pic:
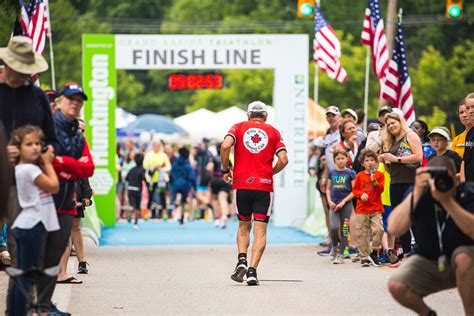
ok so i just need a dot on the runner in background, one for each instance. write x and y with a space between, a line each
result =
204 170
220 191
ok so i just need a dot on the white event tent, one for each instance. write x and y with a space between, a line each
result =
204 123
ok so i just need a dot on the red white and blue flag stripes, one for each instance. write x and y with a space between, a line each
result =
34 22
327 48
373 35
397 87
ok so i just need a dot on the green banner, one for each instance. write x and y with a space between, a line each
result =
100 85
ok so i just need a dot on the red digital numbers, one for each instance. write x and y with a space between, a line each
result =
184 81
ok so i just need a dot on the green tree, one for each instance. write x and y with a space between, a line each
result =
129 89
436 118
241 87
349 94
436 83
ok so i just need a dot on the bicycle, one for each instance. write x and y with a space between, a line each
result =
33 275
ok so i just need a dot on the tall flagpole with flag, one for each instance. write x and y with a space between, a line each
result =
316 69
34 24
373 35
327 49
51 52
397 87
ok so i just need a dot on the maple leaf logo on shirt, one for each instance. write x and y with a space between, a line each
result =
256 139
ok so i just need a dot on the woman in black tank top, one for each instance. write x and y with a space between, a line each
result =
402 155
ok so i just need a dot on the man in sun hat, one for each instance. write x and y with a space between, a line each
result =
22 103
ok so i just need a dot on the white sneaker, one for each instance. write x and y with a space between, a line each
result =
222 224
135 226
338 259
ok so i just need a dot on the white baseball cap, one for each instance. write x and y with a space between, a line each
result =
440 131
351 112
333 110
257 106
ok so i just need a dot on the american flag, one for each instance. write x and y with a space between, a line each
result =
397 88
373 35
35 25
327 49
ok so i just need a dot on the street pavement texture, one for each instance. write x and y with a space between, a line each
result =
195 280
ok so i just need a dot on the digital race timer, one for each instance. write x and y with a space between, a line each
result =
188 81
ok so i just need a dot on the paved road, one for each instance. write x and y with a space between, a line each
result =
195 280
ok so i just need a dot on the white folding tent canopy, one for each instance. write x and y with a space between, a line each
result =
204 123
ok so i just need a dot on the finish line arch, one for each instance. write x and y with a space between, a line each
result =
287 55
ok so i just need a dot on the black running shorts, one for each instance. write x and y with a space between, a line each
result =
256 202
218 185
135 199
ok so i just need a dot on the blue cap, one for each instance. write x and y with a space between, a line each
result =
71 88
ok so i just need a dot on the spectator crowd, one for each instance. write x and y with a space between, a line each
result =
363 174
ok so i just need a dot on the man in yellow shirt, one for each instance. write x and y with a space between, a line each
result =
157 164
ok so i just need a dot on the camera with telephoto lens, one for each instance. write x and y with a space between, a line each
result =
442 180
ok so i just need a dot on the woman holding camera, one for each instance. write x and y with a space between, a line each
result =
439 139
402 155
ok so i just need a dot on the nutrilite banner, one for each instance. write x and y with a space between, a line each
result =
99 82
287 55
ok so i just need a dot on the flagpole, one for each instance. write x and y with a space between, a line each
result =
51 53
316 71
366 90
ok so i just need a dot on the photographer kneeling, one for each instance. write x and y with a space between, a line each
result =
442 212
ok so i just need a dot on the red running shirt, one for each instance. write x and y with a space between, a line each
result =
255 144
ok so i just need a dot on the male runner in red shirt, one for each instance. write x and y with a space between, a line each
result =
255 144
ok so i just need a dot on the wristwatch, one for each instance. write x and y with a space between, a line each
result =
225 171
399 160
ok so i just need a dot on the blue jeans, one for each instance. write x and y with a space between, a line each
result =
29 249
3 237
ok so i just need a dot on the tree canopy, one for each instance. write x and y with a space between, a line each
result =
440 51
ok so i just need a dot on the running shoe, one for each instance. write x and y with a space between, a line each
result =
239 272
365 263
355 258
54 311
346 254
252 277
374 259
390 253
353 251
82 268
384 260
325 252
338 259
222 224
135 226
